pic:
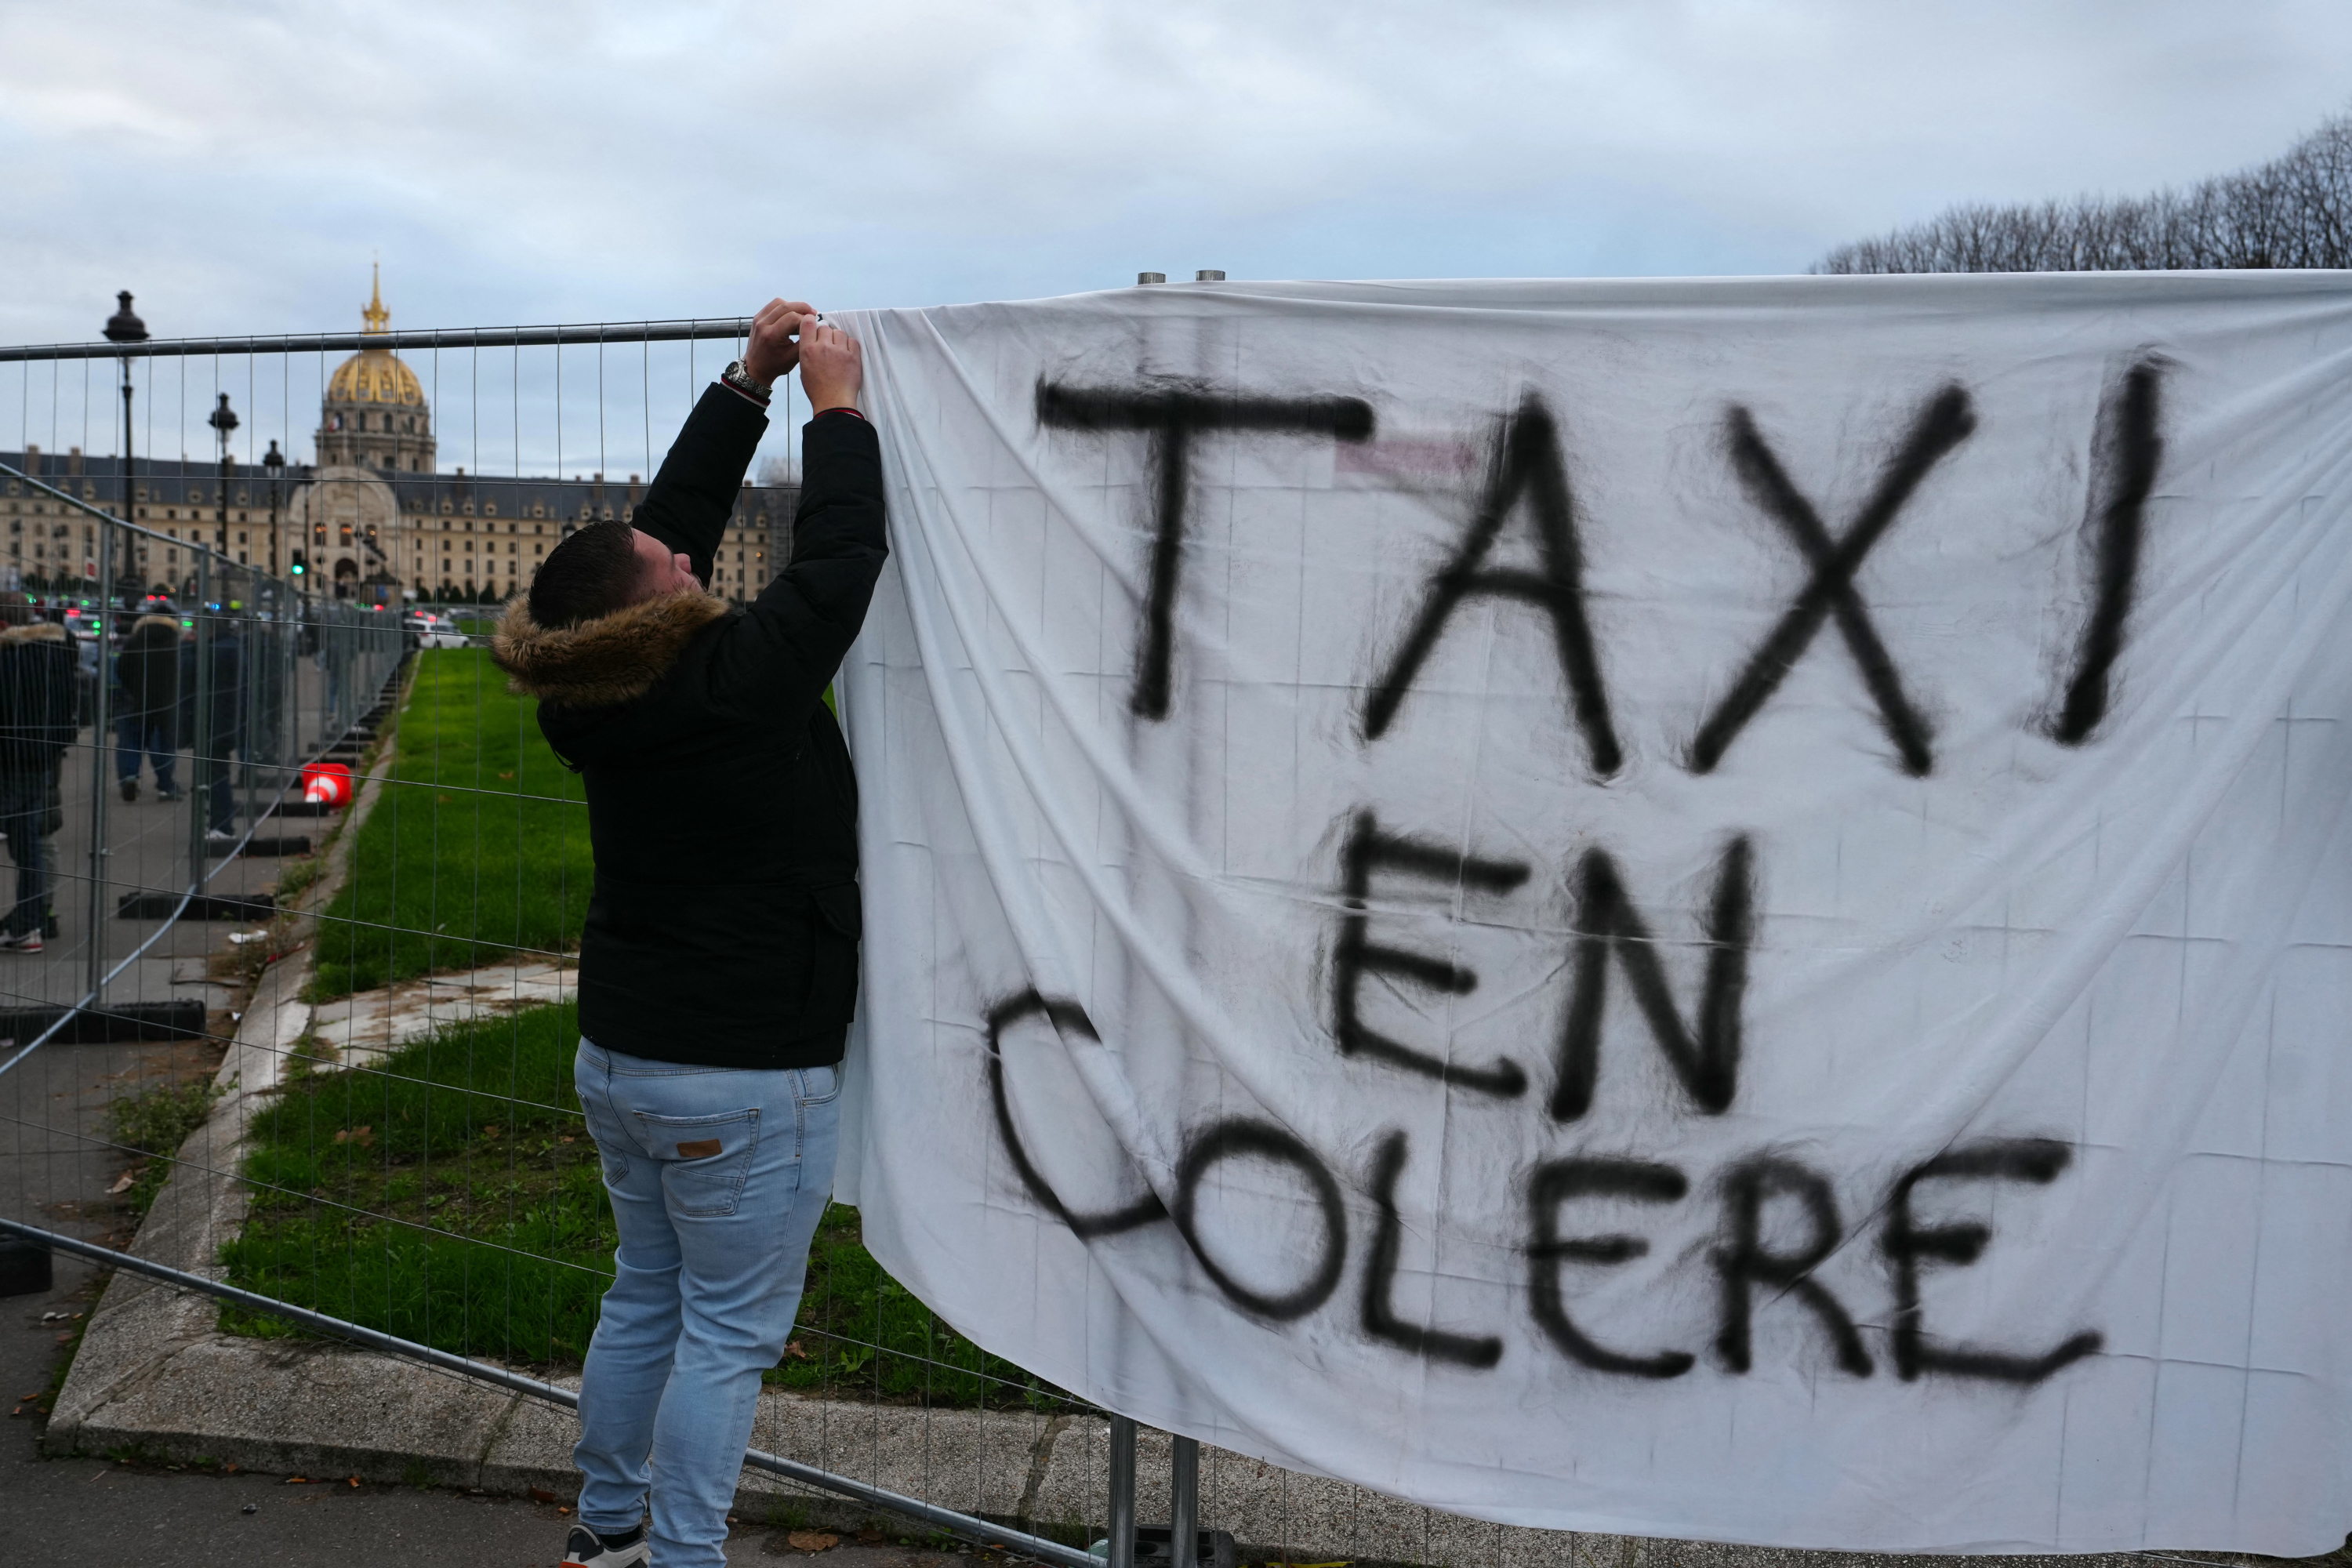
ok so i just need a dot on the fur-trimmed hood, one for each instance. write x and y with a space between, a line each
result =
35 631
151 623
612 659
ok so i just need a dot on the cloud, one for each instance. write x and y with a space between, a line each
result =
239 163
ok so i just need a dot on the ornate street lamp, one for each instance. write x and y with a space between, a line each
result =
273 463
224 420
125 328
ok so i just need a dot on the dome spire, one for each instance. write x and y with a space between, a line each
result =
377 318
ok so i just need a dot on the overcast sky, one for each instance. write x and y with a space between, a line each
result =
238 162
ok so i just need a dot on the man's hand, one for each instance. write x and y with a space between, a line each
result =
832 367
773 352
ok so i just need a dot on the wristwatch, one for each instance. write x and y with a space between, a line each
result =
736 376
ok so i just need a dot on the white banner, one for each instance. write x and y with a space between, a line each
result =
1697 909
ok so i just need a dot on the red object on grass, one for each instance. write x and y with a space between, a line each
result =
328 782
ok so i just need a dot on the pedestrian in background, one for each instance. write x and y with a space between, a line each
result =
37 677
211 712
147 678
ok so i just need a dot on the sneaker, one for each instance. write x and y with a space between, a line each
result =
131 789
586 1549
170 794
219 835
28 943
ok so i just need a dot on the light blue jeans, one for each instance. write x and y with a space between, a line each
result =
719 1176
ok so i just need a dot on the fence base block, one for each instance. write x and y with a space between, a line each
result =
204 907
25 1268
177 1020
259 848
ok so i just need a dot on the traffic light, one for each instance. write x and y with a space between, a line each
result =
298 566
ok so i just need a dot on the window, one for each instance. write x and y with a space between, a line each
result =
489 509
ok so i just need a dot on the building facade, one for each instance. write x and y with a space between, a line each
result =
372 519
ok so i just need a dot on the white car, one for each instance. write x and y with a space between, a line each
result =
434 631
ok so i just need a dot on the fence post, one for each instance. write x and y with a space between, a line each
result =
1183 1502
1122 1491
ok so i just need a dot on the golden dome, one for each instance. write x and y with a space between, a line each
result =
375 375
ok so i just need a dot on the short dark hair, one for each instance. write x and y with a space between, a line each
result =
591 574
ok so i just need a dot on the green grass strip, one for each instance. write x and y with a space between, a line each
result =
479 845
452 1196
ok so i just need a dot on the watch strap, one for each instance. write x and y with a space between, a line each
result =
736 376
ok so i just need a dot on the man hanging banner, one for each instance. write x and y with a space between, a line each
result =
1696 909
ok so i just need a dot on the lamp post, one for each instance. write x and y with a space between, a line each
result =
223 419
273 463
124 326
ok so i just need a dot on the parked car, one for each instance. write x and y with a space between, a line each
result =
429 630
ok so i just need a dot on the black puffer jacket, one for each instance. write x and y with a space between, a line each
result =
722 811
148 670
37 707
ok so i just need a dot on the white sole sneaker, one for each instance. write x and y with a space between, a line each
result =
586 1549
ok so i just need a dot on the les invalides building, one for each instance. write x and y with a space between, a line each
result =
373 519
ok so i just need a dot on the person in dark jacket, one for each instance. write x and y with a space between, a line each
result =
36 724
212 715
719 963
147 682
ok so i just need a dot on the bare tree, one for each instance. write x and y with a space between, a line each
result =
2295 212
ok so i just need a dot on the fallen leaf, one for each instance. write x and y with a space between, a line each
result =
489 1130
813 1541
796 1351
541 1494
508 774
362 1136
66 1338
122 1183
869 1537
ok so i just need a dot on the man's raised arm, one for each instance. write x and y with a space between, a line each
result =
691 498
796 631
